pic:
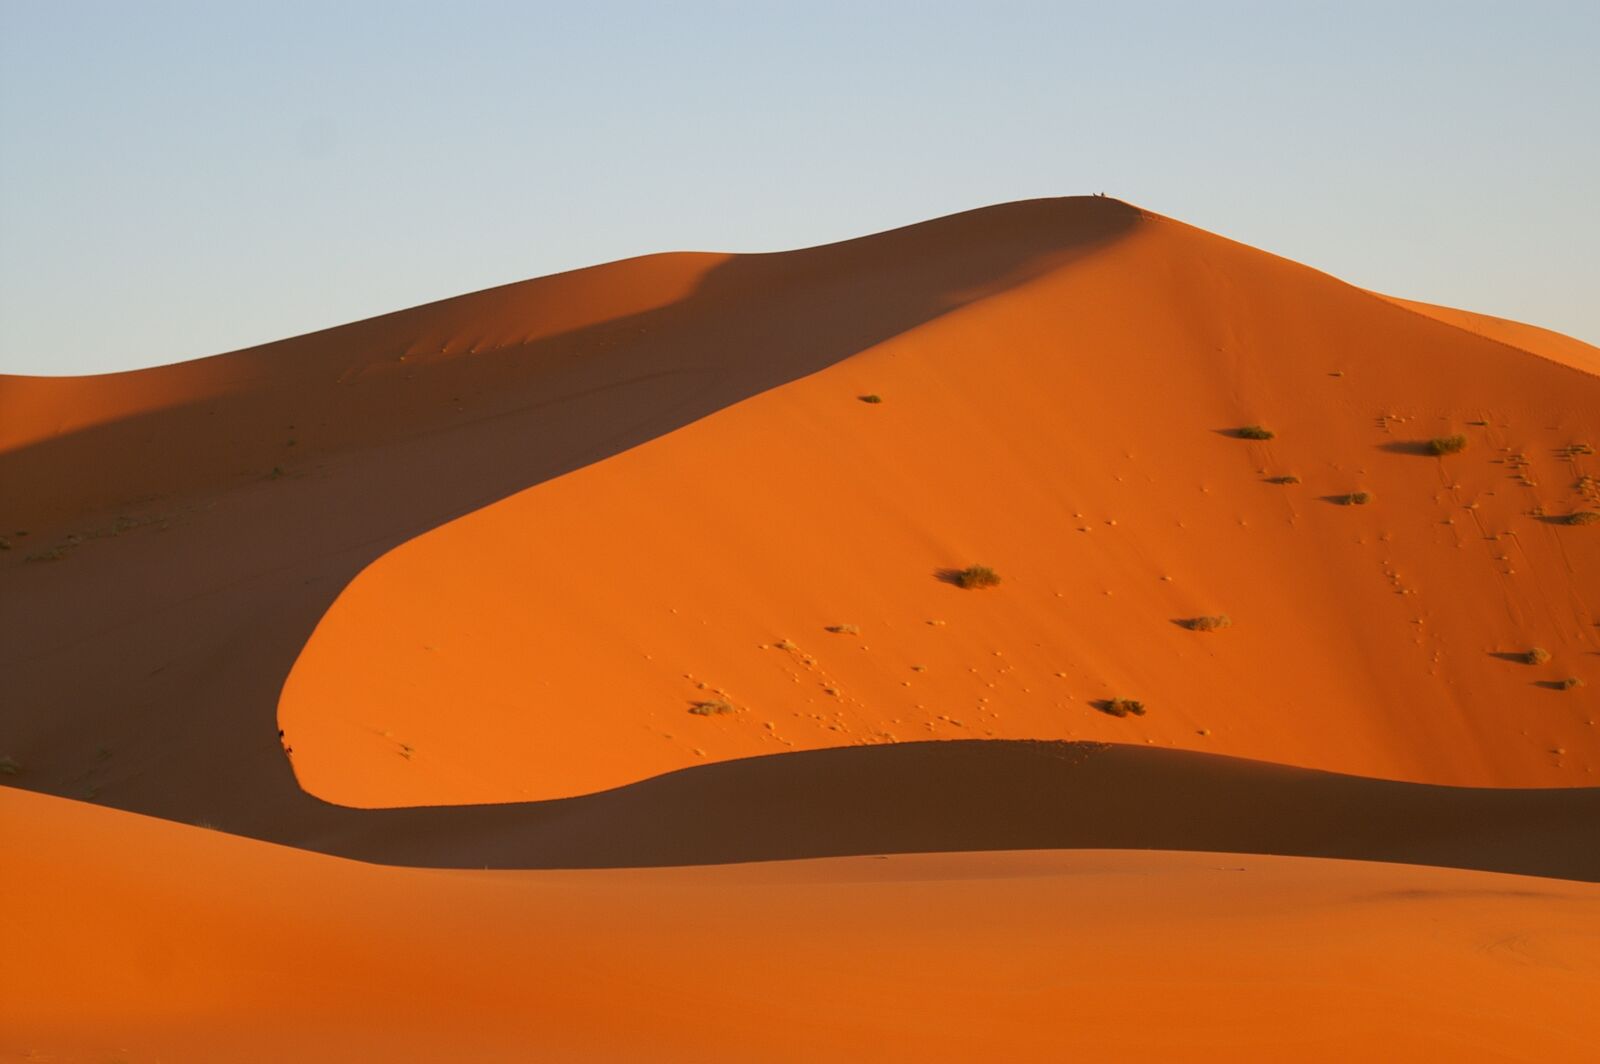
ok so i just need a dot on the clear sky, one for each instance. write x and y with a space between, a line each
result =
180 179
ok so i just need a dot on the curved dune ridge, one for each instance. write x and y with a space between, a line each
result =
780 556
616 581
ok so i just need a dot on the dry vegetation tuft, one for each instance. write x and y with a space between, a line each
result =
974 577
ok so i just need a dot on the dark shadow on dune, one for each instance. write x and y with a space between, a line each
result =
995 795
168 644
1579 519
1415 448
949 576
1516 657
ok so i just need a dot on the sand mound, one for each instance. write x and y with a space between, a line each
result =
139 940
781 557
667 556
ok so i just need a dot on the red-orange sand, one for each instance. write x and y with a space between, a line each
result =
495 549
137 940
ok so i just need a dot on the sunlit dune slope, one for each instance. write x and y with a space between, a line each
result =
1075 432
306 536
1544 342
139 940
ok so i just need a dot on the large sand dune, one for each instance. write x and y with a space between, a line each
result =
441 589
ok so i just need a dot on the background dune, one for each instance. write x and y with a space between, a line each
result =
442 589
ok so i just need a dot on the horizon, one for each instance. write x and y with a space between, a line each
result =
177 182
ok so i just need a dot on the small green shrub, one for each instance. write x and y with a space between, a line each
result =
1254 432
1121 707
974 577
1536 656
1356 498
1208 624
712 708
1442 445
870 398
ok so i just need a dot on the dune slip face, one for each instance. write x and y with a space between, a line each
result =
1047 629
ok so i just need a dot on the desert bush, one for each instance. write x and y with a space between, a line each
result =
975 576
1583 517
870 398
1121 707
1356 498
1535 656
1288 478
843 629
711 708
1208 624
1254 432
1570 682
1442 445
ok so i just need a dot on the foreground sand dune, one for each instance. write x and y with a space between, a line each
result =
153 941
441 589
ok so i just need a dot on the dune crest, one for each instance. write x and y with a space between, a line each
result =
1077 432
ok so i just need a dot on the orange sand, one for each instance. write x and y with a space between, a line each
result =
150 941
1064 431
493 549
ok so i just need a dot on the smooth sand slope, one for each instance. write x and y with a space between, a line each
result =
1071 433
151 941
496 549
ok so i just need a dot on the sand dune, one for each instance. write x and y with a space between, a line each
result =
154 941
1545 343
441 589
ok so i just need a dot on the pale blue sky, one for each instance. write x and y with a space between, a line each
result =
180 179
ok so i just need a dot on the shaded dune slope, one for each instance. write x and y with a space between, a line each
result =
966 796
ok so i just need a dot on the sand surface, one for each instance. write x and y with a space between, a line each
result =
155 941
439 590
